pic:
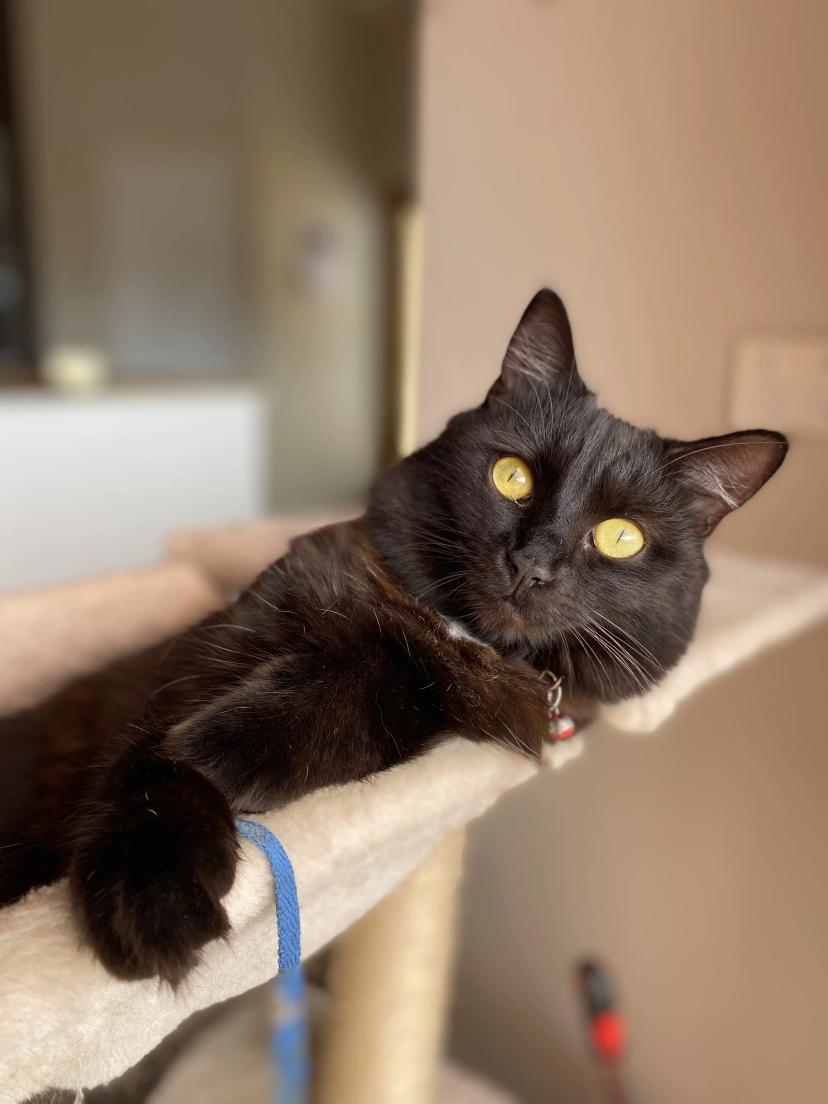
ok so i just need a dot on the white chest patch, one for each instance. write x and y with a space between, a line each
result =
457 632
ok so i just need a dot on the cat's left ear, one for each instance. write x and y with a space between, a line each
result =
722 473
541 350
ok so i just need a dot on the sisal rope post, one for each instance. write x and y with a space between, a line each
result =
390 980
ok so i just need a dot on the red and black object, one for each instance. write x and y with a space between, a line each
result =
604 1021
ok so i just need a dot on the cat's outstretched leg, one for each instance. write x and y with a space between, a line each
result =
158 850
152 862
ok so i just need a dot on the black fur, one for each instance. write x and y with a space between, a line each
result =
338 662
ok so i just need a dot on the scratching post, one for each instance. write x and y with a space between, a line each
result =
389 983
65 1021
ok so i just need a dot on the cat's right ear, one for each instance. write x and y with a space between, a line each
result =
541 351
722 473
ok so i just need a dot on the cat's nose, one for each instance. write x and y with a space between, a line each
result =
527 571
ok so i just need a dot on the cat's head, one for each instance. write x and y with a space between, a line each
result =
555 531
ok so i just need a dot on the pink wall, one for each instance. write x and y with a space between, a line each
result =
665 166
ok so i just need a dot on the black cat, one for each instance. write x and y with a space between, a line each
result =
536 532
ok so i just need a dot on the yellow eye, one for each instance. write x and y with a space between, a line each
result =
512 478
618 538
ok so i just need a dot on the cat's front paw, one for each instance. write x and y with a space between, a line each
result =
147 882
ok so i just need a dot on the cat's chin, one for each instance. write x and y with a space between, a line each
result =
525 633
508 628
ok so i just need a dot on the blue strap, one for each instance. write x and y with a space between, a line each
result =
288 1037
288 927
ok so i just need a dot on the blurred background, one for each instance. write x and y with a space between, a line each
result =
249 251
200 204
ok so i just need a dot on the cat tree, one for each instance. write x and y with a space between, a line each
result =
377 863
